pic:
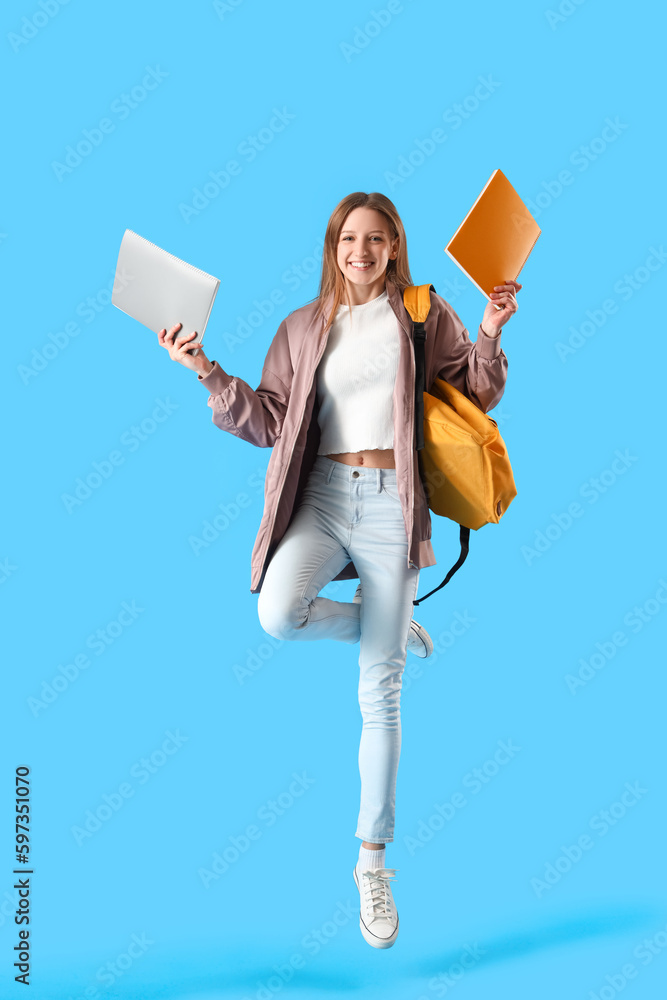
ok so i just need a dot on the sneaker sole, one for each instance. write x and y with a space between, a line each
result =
372 939
427 643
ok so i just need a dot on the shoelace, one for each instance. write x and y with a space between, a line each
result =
377 890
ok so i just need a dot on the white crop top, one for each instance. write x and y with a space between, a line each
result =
356 377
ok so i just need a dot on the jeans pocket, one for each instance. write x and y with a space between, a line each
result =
314 484
392 491
316 477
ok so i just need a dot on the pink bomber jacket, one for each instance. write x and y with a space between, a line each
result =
281 413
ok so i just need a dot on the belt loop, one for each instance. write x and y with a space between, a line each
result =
330 472
379 480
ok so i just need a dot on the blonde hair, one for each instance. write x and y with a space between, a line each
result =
331 279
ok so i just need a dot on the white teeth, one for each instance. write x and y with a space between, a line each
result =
359 265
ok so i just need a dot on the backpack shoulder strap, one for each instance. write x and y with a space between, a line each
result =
417 301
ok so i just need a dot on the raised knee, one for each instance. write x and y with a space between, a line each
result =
277 618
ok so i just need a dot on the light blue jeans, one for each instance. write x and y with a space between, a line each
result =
352 513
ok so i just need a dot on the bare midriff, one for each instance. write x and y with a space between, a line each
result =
375 458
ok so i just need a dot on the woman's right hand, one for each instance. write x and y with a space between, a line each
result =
178 350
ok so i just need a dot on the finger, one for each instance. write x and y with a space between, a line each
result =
172 330
186 343
185 339
508 306
163 339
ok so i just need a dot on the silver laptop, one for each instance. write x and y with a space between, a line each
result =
160 290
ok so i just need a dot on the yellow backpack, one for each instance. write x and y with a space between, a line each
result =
463 460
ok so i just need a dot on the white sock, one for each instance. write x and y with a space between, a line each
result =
370 859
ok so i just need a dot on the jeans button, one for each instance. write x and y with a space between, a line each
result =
355 474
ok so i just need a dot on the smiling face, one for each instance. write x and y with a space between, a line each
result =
364 247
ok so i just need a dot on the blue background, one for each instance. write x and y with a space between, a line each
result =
194 660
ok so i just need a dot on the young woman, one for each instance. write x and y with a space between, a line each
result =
343 494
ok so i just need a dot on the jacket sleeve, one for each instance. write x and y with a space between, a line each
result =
477 369
254 415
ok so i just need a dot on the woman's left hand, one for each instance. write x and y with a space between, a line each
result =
505 296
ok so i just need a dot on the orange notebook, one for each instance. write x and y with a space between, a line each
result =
496 237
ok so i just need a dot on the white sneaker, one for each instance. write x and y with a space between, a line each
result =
378 917
419 641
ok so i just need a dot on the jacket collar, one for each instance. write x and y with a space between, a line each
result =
396 301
